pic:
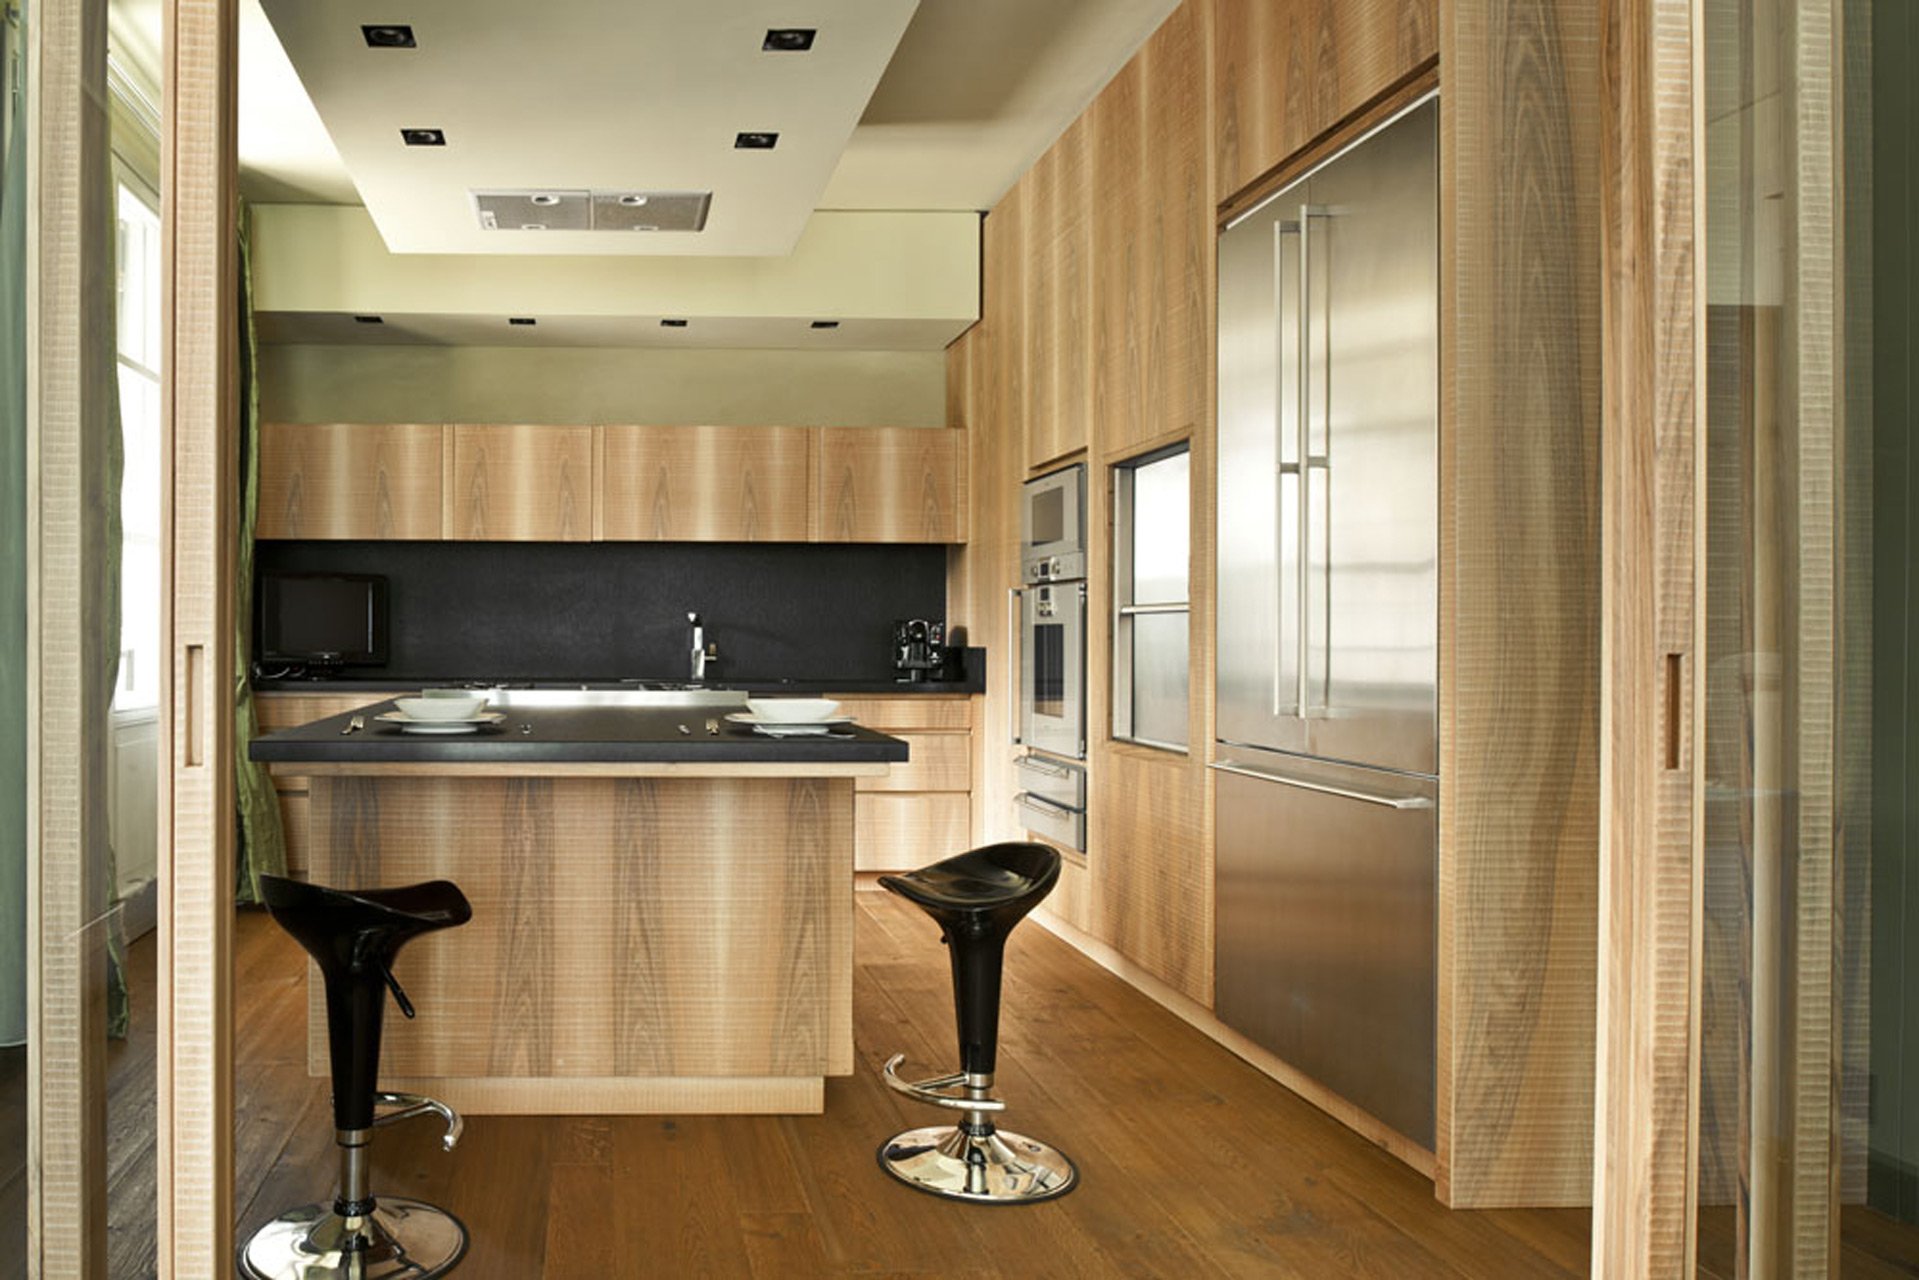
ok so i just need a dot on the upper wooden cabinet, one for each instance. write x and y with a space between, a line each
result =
1057 225
889 484
1286 71
519 484
704 484
349 482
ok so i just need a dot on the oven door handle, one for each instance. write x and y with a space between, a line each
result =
1016 674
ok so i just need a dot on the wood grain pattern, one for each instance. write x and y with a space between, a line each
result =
1519 601
350 481
1057 193
1286 72
633 928
583 769
927 712
1153 866
199 431
277 710
888 484
519 483
1646 1126
901 832
704 484
621 1095
935 762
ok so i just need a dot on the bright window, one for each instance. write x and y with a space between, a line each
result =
138 311
1152 615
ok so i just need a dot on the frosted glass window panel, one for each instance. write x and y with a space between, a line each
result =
1161 530
1152 543
1160 677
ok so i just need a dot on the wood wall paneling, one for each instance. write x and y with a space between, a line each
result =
519 483
900 832
350 481
703 484
200 429
888 484
1057 228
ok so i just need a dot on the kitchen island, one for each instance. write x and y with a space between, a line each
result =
662 920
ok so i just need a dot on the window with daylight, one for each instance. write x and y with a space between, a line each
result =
1152 504
137 304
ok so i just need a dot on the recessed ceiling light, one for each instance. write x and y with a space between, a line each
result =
757 141
521 320
393 35
545 199
423 137
644 226
826 324
369 319
532 226
672 324
788 39
632 202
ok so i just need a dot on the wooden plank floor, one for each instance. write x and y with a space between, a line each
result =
1193 1163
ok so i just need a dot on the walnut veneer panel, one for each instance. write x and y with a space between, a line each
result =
900 832
935 762
342 481
1057 194
926 712
519 483
1286 71
1152 237
704 484
889 484
621 927
1519 602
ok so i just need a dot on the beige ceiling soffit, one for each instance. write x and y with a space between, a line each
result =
600 95
850 267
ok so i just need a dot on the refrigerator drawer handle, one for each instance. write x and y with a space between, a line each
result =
1046 767
1326 788
1041 805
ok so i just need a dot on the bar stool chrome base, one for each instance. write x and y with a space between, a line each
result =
984 1166
400 1240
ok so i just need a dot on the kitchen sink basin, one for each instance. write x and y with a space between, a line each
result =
641 698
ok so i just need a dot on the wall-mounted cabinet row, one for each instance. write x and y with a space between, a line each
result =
507 483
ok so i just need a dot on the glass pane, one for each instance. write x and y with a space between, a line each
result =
1159 677
1161 530
13 639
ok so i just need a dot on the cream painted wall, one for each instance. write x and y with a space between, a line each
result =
567 385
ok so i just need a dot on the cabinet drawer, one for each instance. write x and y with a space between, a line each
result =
935 762
901 832
276 711
888 714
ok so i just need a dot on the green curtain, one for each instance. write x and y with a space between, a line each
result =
13 536
262 843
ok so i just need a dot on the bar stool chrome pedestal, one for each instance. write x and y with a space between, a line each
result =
354 937
977 898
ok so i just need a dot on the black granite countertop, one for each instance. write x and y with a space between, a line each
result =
572 735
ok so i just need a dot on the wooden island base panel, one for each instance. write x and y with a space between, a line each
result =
662 922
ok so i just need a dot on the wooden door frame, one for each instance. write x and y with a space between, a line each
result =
200 398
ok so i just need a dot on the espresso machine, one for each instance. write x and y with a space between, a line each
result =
919 650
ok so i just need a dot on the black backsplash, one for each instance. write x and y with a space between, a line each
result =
617 610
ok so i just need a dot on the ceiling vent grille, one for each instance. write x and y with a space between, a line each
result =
592 210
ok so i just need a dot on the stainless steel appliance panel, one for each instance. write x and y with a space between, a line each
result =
1058 824
1055 780
1053 526
1052 702
1325 924
1328 395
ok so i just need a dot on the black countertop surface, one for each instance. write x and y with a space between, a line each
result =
537 735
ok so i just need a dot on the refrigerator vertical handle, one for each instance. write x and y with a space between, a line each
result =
1015 674
1303 435
1282 469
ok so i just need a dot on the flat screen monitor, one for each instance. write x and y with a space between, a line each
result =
323 619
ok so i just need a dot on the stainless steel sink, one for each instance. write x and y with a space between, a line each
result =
640 699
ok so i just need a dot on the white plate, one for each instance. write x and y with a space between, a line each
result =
406 721
747 717
438 727
796 730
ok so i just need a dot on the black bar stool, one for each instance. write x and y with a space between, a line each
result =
977 898
354 938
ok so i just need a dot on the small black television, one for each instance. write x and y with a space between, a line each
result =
323 619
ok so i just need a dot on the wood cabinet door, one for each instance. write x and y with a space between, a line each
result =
519 484
1056 220
339 481
901 832
889 484
703 484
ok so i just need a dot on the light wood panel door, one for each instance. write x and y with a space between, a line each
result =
703 484
899 832
519 483
1059 298
935 762
350 481
889 484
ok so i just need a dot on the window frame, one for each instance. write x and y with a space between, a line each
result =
1121 479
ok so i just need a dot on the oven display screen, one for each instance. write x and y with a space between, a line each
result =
1049 670
1047 511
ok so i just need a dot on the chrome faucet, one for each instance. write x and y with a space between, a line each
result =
703 652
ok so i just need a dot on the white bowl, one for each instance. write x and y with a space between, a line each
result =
441 708
792 710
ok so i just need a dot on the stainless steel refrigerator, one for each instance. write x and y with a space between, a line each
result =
1328 622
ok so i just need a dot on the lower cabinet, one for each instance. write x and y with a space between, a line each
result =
276 711
923 810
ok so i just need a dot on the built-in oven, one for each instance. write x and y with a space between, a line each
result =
1053 527
1052 667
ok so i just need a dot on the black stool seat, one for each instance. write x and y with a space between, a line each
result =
999 878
